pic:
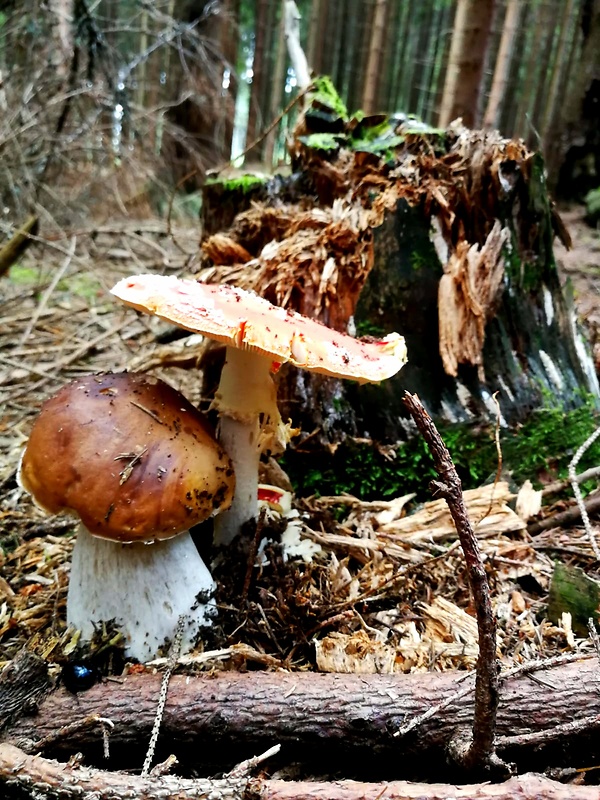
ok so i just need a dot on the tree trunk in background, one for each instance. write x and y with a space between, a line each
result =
472 26
315 31
374 60
278 82
361 33
424 98
386 75
543 70
441 61
255 122
510 103
330 38
555 141
503 60
366 13
560 65
578 134
351 36
319 53
268 69
142 72
427 34
398 43
538 39
407 68
229 47
339 53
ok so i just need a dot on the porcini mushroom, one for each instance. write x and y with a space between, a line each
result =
138 464
259 336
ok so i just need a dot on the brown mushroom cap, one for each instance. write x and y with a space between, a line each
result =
130 455
244 320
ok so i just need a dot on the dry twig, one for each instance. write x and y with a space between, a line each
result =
577 491
479 753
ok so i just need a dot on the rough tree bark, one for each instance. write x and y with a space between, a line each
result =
339 724
472 26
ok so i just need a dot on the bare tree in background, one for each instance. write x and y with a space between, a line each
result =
109 100
138 94
201 105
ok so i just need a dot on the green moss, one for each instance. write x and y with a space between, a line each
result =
323 141
418 260
545 443
325 94
367 328
84 285
24 276
592 205
244 183
384 147
423 130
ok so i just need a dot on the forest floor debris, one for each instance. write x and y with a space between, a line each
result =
388 588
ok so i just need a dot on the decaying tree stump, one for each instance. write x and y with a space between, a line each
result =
331 724
445 237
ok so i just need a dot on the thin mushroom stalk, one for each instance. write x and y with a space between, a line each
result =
249 424
259 337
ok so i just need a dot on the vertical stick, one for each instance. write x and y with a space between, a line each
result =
478 753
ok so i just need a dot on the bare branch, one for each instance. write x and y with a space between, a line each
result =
478 753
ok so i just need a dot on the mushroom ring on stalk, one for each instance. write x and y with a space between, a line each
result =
139 465
259 338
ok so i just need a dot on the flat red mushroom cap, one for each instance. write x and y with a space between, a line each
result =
243 319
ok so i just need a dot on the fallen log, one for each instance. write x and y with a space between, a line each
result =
44 779
343 725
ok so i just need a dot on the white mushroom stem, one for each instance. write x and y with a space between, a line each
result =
240 440
144 588
249 423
